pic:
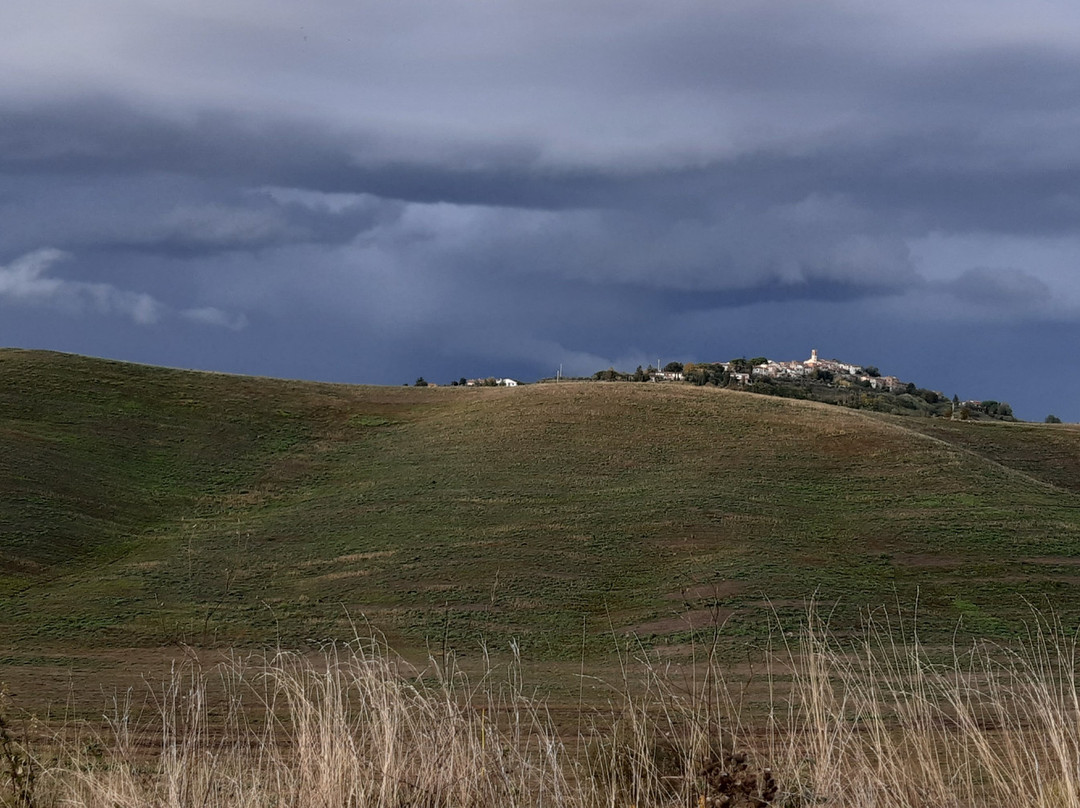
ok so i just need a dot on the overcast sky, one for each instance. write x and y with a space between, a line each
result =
374 191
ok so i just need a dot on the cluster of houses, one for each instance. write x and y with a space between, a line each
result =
797 370
491 382
808 367
664 376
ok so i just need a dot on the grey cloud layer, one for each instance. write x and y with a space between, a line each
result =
585 175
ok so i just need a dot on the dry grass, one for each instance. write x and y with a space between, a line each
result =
873 722
879 724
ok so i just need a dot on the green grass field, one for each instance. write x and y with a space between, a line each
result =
142 507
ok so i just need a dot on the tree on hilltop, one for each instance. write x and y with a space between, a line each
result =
705 373
609 375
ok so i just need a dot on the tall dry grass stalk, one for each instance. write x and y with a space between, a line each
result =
876 723
860 724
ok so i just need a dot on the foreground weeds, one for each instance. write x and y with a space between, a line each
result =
18 767
873 722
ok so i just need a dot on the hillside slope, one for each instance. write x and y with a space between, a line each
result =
143 506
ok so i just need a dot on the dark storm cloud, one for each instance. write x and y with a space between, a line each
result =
100 135
907 184
107 138
171 214
1014 79
529 184
1008 289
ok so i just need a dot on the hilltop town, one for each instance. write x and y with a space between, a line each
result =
829 380
744 371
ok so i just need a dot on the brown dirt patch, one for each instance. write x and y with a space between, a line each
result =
365 556
688 621
1072 580
336 576
715 591
1064 561
782 604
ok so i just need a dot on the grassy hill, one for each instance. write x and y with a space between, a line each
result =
142 507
